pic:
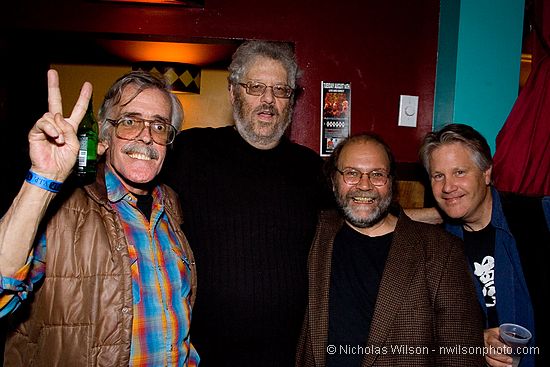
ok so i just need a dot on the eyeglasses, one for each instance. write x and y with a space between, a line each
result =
258 89
129 128
352 176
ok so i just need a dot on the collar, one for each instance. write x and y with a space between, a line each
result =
497 215
116 191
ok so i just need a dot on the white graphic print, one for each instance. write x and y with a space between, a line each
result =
486 274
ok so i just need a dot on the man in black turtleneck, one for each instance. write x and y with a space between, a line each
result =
251 199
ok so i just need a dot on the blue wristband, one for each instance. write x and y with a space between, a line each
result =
43 182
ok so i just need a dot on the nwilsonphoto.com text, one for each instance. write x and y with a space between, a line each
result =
404 349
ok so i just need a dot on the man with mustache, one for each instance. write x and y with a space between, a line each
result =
251 199
111 273
384 290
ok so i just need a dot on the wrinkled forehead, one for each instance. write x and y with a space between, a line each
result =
456 154
148 101
262 68
364 154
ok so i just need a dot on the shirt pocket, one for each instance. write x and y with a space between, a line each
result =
184 269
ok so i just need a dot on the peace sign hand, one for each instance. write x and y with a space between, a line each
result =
53 143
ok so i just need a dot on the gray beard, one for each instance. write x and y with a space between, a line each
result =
379 213
246 128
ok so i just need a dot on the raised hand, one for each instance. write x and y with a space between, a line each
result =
53 144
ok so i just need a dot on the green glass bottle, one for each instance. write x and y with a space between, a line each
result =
86 165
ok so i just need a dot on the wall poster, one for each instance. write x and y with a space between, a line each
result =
335 114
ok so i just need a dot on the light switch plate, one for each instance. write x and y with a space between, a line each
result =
408 110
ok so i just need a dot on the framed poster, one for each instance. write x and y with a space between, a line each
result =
335 114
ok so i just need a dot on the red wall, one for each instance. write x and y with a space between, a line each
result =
384 48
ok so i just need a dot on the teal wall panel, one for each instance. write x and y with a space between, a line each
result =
487 47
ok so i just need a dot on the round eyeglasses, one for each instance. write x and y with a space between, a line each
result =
352 176
129 128
258 89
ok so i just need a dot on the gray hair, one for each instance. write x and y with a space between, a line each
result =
462 134
250 50
141 80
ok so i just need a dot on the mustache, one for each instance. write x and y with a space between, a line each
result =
264 107
362 194
137 148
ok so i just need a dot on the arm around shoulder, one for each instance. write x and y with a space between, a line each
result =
426 215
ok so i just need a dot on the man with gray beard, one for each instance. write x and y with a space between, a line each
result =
251 200
384 290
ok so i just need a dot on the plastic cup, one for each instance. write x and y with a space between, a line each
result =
516 337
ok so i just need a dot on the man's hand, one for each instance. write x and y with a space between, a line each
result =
52 140
494 344
426 215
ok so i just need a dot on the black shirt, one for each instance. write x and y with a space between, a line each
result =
479 247
145 204
250 217
357 265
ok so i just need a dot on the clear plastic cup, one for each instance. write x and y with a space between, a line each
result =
516 337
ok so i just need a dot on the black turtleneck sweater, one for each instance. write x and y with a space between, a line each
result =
250 216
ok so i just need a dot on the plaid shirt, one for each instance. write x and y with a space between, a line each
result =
160 282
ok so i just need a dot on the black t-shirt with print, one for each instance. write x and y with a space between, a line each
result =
479 247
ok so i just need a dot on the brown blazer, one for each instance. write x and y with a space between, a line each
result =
426 300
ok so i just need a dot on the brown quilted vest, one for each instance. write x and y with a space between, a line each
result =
82 313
